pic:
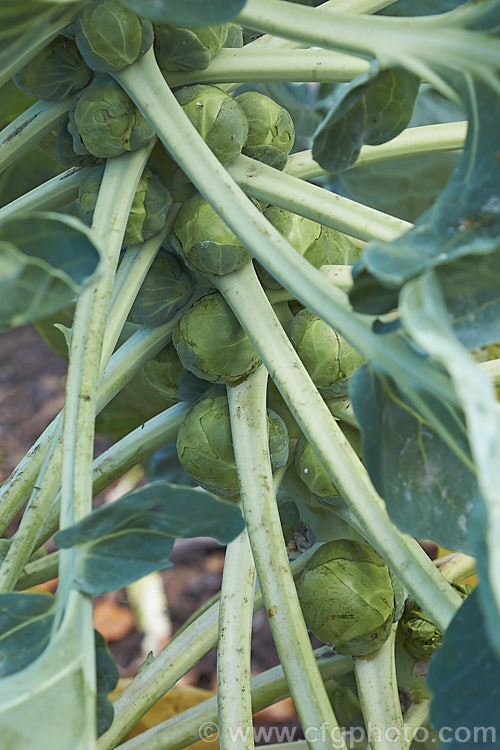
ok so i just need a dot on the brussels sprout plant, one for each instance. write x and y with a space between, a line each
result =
308 379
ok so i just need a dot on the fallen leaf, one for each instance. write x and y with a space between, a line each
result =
112 620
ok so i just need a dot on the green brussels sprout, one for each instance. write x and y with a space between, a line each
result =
164 371
327 356
270 129
312 472
207 242
205 447
167 288
148 212
111 36
347 598
309 238
420 636
211 343
341 251
105 122
65 153
172 176
217 117
234 38
182 48
55 73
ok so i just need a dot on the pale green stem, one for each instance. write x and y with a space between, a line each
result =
30 127
378 694
247 409
417 716
121 456
245 65
420 44
50 196
118 187
145 84
23 49
492 368
234 699
124 364
424 139
339 276
456 566
44 569
252 308
267 688
178 656
265 183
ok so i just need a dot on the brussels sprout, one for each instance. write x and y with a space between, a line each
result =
207 242
167 287
270 129
341 251
164 371
205 447
347 598
55 73
172 176
182 48
234 37
309 238
312 472
111 36
148 212
420 636
105 122
217 117
327 356
211 343
65 153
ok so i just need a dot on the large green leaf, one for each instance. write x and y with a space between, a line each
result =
187 12
45 260
373 109
123 541
466 698
428 489
25 625
50 704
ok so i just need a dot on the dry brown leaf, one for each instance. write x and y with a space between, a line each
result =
112 620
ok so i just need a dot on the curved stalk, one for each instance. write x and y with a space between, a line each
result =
247 409
234 701
271 64
249 303
424 139
378 694
39 571
456 566
30 127
50 196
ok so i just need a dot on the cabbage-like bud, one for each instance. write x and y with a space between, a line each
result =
217 117
329 359
347 598
105 122
149 210
341 250
234 38
205 446
164 371
111 36
55 73
183 48
314 475
309 238
208 244
211 343
65 153
271 132
172 176
167 288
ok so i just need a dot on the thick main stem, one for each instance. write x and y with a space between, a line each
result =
234 699
252 308
247 408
